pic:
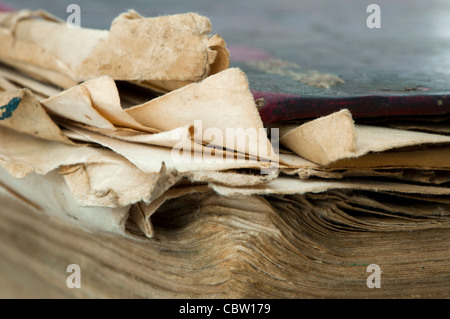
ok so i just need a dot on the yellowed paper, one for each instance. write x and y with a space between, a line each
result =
290 185
149 158
95 103
336 137
117 167
49 194
22 81
21 111
22 154
166 138
174 48
222 102
94 185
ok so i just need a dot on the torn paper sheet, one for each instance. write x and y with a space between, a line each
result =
336 137
431 159
163 49
38 88
94 175
149 158
439 123
95 106
94 185
49 194
96 178
222 105
440 128
230 177
95 103
22 54
22 154
411 174
22 112
167 138
6 85
290 185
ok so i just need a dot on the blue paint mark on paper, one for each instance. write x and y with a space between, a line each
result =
6 111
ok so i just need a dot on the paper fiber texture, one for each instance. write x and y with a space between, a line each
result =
95 103
421 162
221 102
95 178
12 80
138 171
336 137
289 185
22 112
174 49
50 195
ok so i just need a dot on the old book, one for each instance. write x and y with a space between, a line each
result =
189 195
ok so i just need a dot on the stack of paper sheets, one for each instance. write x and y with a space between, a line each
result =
101 128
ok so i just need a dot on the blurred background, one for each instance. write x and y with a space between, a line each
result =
411 49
